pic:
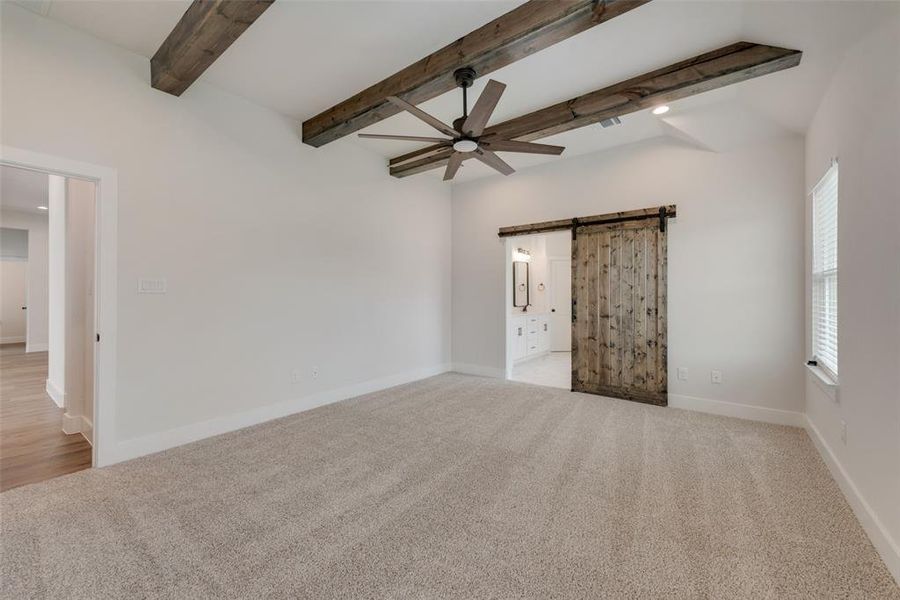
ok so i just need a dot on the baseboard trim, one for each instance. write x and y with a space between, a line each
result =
36 347
56 394
887 547
479 370
705 405
164 440
71 423
87 430
739 411
16 339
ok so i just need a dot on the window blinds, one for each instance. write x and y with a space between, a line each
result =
825 271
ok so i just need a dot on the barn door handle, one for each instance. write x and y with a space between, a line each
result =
574 310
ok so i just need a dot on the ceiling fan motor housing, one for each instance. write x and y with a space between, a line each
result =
465 77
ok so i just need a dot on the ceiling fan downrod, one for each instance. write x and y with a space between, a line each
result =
465 77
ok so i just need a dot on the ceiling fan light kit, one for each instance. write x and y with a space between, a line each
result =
464 138
465 145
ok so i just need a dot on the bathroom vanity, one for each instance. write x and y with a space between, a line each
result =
529 334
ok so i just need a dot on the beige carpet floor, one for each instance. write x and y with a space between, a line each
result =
452 487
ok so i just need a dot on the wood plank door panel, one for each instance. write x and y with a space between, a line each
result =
619 320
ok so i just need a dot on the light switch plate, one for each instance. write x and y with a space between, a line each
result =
715 376
682 373
151 286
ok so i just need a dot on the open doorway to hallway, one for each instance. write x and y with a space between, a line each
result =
47 357
539 315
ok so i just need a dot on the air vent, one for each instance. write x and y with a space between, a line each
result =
610 122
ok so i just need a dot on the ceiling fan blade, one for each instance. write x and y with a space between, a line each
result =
484 107
527 147
456 160
424 116
407 138
492 160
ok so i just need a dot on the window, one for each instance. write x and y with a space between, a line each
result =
825 272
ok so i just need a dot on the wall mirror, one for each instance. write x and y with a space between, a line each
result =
520 283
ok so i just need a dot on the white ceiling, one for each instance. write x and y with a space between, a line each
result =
302 57
21 189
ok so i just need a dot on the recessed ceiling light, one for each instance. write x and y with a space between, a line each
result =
661 110
43 208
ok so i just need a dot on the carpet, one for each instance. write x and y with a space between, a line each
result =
452 487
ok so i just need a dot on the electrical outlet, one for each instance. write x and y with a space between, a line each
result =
151 286
682 373
715 376
844 432
295 376
315 372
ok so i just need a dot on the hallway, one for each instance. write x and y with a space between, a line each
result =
32 445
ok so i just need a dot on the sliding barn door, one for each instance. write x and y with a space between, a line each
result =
619 304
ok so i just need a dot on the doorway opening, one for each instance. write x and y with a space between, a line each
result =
49 312
539 310
617 303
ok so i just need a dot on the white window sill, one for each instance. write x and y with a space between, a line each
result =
825 382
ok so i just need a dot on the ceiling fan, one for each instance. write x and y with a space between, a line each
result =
466 136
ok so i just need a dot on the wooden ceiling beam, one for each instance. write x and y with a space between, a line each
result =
529 28
205 31
719 68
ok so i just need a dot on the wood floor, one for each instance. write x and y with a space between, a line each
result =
32 445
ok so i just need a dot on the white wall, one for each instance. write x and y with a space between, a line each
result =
542 247
38 275
559 244
79 304
535 246
735 260
13 243
278 256
858 121
56 368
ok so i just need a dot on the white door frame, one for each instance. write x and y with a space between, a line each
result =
507 306
105 283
